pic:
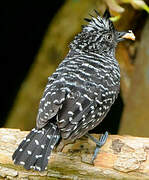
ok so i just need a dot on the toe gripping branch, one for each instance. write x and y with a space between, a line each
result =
99 143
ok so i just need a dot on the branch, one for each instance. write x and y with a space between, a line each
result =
121 157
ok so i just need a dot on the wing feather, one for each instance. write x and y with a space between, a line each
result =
49 106
74 109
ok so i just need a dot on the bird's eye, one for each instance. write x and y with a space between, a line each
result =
109 37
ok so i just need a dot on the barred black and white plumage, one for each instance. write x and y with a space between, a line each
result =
78 95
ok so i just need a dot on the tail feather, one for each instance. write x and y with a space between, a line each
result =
28 149
25 142
49 145
36 153
34 150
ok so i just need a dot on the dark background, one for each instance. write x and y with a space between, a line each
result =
23 25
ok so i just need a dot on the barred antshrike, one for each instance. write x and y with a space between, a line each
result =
78 95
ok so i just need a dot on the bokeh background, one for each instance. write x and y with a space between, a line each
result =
35 36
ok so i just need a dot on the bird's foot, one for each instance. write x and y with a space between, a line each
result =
99 143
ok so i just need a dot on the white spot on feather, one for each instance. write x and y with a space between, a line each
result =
49 136
42 146
55 101
37 142
29 152
38 156
62 120
52 146
22 162
38 168
70 119
70 113
93 115
32 167
80 106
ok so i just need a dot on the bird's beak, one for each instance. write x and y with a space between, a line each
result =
125 35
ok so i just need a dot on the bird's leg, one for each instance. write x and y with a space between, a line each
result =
99 143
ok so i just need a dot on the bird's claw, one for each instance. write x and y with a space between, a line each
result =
99 144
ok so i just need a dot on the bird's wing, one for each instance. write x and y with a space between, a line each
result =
50 104
74 115
80 114
92 119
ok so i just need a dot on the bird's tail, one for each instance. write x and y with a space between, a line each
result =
35 149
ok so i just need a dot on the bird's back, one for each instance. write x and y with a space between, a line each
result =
80 93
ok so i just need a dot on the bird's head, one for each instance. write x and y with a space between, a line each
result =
99 36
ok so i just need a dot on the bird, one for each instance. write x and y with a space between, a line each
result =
78 95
